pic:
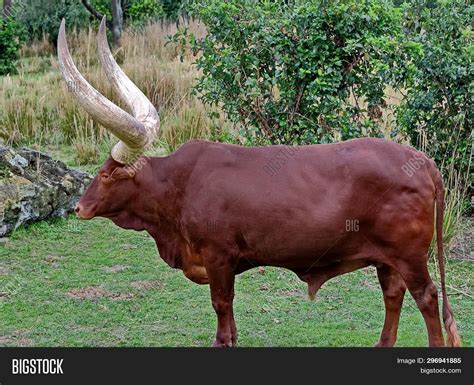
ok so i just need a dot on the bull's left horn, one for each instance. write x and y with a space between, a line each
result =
133 133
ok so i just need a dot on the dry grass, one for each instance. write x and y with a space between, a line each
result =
455 195
37 108
190 122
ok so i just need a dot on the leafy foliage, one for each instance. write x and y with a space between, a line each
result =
140 12
104 7
43 17
172 8
135 12
297 72
12 36
438 108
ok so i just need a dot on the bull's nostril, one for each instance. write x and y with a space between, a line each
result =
77 209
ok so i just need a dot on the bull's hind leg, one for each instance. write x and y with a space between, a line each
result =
416 276
393 288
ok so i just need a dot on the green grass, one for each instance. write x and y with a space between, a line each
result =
41 264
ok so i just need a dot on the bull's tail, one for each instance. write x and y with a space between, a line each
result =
452 339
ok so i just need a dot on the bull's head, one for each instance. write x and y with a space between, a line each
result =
113 185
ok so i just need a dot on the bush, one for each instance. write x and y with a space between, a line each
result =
143 11
135 12
172 8
301 72
438 112
11 37
104 8
43 17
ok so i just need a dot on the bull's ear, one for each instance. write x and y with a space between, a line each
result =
123 173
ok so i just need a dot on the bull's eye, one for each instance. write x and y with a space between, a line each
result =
104 176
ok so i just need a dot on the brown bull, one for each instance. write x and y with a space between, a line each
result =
217 210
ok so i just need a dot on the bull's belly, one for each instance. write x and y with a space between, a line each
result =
305 254
370 237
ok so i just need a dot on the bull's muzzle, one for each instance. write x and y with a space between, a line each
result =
83 213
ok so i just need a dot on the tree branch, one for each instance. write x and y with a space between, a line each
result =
296 107
94 12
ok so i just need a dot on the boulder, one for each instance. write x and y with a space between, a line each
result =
33 186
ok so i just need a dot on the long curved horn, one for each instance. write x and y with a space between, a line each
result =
132 133
138 103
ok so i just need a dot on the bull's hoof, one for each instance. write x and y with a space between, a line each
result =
384 344
222 344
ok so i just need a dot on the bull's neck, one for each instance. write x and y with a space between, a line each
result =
160 181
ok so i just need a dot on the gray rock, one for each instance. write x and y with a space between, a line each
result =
33 186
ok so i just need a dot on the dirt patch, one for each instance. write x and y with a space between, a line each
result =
53 261
120 296
96 292
4 270
264 287
146 285
4 340
127 246
462 246
292 292
17 339
53 258
24 343
114 269
87 293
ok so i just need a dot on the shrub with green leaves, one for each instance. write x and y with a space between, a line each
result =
43 17
12 36
297 71
438 112
104 7
142 11
172 8
135 12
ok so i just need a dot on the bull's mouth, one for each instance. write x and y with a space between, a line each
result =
84 213
86 216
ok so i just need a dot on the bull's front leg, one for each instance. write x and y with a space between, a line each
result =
233 328
221 282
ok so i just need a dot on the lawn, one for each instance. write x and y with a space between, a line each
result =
74 283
